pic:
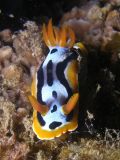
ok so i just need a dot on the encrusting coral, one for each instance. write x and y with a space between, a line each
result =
10 148
94 25
111 34
6 36
11 75
28 44
15 76
6 53
7 109
86 24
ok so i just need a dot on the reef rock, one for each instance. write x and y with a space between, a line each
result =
12 75
5 53
7 110
6 36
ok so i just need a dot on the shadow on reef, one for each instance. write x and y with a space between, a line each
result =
36 10
99 94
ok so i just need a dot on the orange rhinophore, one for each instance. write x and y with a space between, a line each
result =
53 37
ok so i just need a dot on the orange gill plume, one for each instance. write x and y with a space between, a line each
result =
52 36
67 108
43 109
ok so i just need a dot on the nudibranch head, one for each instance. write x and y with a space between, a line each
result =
55 86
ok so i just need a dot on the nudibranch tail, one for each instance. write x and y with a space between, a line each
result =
53 37
43 109
51 134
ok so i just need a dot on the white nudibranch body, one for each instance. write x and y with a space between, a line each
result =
55 86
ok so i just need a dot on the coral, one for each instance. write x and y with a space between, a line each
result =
16 69
86 24
7 110
115 3
113 20
5 53
15 121
11 149
23 128
111 32
97 30
94 29
10 125
12 75
28 44
6 36
89 149
41 156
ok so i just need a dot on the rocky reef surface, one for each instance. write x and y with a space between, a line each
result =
97 26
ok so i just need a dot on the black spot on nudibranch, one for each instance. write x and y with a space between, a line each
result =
40 78
40 119
49 73
54 50
54 125
54 93
54 109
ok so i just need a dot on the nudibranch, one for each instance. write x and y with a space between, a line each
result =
54 90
